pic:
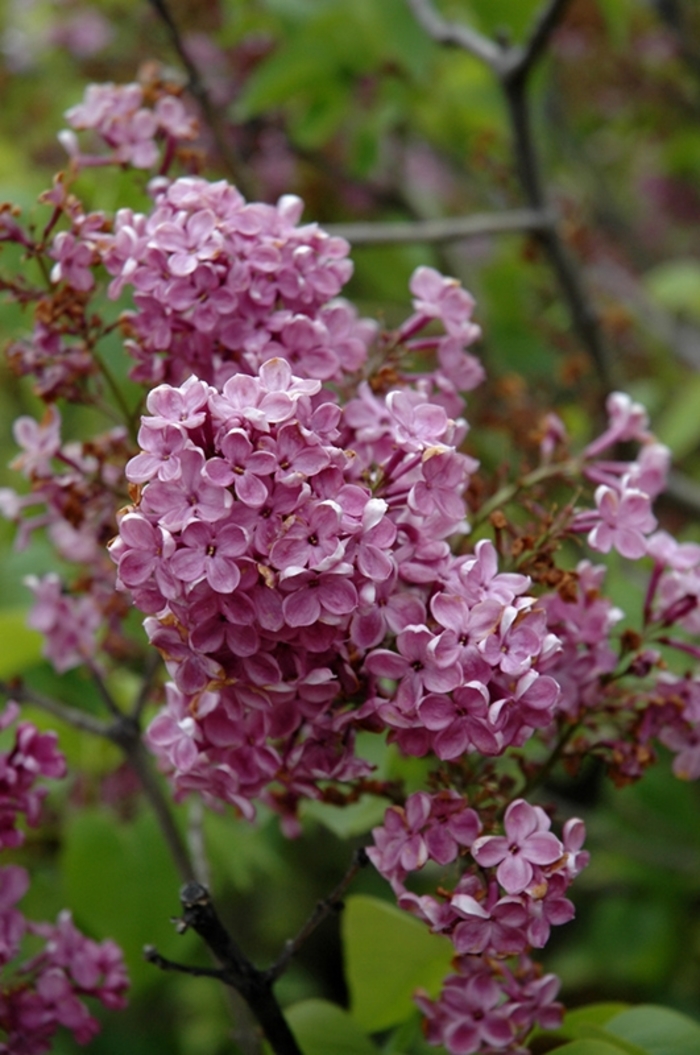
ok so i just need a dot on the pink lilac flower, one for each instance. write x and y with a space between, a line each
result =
494 925
117 113
160 454
422 664
622 520
438 297
430 826
175 501
460 722
41 443
627 420
470 1015
524 848
210 553
69 623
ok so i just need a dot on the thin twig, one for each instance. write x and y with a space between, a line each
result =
107 698
151 955
322 910
545 23
142 766
456 35
450 229
126 734
70 715
196 85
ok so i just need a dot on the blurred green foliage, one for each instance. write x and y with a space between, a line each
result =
348 103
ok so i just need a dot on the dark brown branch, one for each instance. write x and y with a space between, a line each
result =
236 969
512 66
323 909
583 314
545 24
451 229
107 698
196 85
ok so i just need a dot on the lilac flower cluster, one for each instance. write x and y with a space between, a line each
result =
40 994
473 681
222 285
74 488
623 517
298 540
122 117
509 894
269 566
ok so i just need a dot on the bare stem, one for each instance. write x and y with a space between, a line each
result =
103 689
545 23
546 768
152 667
196 842
451 229
127 415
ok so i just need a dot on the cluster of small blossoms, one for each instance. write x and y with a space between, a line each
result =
74 490
39 994
472 681
222 285
131 125
269 568
662 707
509 894
623 517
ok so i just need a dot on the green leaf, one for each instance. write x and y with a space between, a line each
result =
590 1047
584 1022
388 955
21 647
347 821
492 16
120 883
322 117
657 1030
321 1028
679 425
676 286
282 77
591 1015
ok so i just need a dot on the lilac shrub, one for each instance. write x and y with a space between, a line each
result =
316 554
